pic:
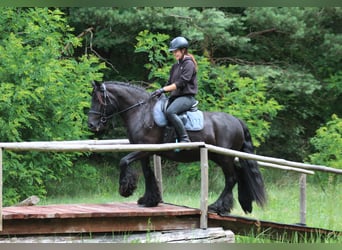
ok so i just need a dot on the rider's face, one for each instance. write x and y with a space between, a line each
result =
178 54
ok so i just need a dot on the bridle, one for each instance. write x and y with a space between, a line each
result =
105 101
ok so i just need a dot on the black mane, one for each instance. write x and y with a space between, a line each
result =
139 89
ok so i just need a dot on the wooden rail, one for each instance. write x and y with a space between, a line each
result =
123 145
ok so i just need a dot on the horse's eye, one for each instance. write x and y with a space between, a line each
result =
103 120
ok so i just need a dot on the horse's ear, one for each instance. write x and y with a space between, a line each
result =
95 84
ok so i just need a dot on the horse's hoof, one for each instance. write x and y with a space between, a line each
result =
126 191
225 214
216 209
212 209
141 201
145 202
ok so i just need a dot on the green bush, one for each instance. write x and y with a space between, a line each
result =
44 93
328 147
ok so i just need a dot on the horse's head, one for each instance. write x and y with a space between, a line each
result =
102 108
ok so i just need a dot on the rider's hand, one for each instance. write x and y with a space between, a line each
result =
157 93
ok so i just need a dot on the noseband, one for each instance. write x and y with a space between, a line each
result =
103 101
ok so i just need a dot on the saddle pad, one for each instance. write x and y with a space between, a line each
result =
158 114
194 120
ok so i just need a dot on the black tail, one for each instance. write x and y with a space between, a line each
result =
250 182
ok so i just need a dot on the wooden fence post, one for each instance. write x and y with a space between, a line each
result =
204 187
158 173
0 189
302 186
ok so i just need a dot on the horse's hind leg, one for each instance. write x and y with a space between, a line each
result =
224 203
152 195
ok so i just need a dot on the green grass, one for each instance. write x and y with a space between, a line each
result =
323 206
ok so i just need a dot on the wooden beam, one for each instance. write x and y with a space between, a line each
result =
271 165
122 145
51 147
30 201
158 173
204 188
78 142
302 204
196 235
231 152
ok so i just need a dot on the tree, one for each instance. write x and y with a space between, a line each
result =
298 50
44 93
115 29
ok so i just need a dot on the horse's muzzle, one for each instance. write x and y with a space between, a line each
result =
94 127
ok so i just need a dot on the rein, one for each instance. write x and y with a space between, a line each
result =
129 108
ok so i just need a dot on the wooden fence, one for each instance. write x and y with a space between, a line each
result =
123 145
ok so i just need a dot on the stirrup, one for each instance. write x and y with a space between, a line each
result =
184 138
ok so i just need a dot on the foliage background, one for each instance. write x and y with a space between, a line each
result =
279 69
44 91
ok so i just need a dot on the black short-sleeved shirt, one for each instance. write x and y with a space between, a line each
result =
183 74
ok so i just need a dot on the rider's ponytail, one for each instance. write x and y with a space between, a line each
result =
192 58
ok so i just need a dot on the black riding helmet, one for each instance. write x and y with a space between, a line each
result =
178 43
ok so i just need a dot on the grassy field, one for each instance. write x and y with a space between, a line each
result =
323 203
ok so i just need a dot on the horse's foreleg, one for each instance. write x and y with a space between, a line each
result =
128 177
224 203
152 195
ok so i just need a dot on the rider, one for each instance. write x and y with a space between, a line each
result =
182 84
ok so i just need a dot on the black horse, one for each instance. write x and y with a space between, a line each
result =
135 105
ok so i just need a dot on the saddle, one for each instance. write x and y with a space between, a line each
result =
192 119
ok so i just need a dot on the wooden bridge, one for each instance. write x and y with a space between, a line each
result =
95 218
129 217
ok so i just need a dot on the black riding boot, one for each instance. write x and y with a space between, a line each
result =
179 127
178 106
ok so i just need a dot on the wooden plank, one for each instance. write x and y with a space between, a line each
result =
113 217
245 226
100 224
211 235
127 209
204 187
